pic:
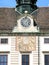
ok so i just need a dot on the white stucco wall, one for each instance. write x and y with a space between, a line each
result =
14 57
43 48
7 47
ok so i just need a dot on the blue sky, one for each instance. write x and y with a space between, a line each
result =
12 3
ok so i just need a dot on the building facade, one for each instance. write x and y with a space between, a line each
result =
24 34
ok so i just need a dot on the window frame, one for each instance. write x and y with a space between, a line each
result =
3 59
46 40
23 1
4 40
26 1
25 54
44 57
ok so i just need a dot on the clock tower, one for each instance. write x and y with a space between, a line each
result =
25 21
26 25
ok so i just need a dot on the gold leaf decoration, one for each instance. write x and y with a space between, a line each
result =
25 43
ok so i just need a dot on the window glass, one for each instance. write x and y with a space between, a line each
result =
25 59
46 59
26 0
46 40
3 59
4 40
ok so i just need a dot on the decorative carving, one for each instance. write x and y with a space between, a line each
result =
29 44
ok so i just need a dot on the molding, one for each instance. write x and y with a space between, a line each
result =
18 11
4 51
45 51
24 33
33 12
25 51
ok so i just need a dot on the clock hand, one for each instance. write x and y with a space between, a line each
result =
26 20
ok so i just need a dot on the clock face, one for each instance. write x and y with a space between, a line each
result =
25 22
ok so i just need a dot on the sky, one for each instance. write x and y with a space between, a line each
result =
12 3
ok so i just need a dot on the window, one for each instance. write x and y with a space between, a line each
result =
4 40
26 0
46 59
46 40
25 59
3 59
